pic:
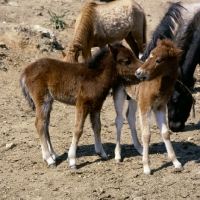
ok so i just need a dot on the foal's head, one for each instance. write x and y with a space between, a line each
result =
163 60
126 61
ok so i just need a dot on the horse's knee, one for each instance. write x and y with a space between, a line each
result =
146 138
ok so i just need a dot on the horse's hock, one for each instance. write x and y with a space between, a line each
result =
29 37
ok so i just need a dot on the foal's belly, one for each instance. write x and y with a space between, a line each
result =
69 99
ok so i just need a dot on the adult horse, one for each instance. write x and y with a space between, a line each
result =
81 85
179 105
101 24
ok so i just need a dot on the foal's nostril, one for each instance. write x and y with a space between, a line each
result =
138 73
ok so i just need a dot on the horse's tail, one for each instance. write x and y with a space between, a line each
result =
166 27
26 91
85 29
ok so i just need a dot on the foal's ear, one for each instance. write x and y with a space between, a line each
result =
176 52
114 51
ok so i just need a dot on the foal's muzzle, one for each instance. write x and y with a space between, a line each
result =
140 75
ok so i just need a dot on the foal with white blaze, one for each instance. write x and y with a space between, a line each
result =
159 73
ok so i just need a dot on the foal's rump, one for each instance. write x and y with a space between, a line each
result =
53 78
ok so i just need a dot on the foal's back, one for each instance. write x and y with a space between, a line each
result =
64 81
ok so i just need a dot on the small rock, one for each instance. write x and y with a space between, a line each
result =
13 3
10 145
3 46
138 198
190 138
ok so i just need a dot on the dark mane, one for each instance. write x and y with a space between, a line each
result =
95 61
165 28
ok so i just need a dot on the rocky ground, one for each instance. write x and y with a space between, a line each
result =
27 34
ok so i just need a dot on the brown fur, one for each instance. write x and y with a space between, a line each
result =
160 72
161 77
99 24
76 84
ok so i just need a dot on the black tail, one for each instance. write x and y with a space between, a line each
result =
165 28
26 92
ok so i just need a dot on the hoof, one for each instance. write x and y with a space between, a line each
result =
178 169
73 167
118 160
147 173
104 158
53 165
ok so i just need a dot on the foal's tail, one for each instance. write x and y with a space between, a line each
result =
26 91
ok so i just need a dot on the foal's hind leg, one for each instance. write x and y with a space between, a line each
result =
131 117
96 126
81 114
119 97
133 44
42 126
161 122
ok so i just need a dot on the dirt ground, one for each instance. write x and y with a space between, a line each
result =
24 175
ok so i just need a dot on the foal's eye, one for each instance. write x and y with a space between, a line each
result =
159 60
127 62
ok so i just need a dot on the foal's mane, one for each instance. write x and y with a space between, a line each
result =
96 61
188 37
165 28
84 31
168 43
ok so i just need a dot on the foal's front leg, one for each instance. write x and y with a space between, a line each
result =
145 127
81 114
164 130
96 126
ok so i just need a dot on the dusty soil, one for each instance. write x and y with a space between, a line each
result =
23 174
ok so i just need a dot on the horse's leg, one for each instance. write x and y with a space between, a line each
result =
145 127
42 123
162 124
131 117
96 126
81 114
47 109
119 97
133 44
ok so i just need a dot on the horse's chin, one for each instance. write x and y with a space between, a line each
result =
143 78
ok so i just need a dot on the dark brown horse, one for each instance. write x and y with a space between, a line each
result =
81 85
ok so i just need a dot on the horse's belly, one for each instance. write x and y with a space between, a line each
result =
64 97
